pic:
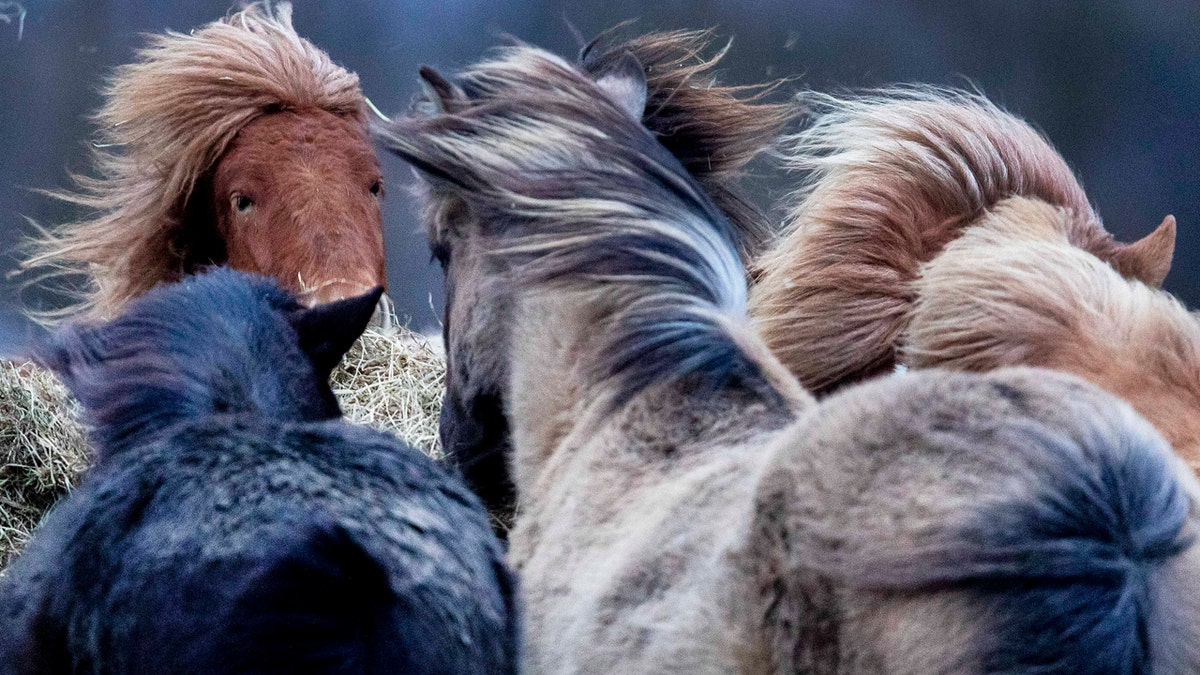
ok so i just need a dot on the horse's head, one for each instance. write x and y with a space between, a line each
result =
659 80
476 328
480 298
240 143
296 196
223 342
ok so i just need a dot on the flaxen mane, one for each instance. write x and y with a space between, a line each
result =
166 120
712 130
1037 300
891 178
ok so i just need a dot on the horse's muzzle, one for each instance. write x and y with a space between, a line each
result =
340 289
334 290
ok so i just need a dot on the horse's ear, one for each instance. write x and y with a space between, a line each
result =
438 92
625 83
327 331
1149 259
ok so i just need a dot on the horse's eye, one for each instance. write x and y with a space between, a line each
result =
242 203
377 188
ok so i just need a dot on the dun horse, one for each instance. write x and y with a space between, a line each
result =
891 179
713 130
233 523
1040 301
238 144
673 513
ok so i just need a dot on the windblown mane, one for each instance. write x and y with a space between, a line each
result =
576 191
891 177
1037 295
713 130
166 120
1041 301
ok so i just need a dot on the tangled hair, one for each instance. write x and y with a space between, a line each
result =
574 190
891 177
1041 301
166 120
712 129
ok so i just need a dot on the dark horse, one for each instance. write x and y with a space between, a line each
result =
234 523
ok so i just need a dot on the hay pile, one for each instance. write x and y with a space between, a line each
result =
42 450
392 379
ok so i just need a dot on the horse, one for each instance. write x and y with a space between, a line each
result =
234 523
238 144
1040 301
1015 521
595 285
714 130
892 177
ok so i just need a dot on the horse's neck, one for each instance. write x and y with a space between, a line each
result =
661 481
554 342
136 424
547 388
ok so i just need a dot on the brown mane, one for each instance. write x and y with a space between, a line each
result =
1041 301
891 178
166 120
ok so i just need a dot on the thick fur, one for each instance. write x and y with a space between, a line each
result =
713 130
891 178
1018 522
1014 291
233 523
655 440
168 120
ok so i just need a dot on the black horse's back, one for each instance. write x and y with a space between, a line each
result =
234 523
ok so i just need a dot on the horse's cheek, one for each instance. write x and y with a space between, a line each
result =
251 251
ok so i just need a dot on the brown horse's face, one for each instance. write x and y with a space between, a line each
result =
297 197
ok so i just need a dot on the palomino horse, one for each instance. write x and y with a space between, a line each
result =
234 523
713 130
241 144
1012 290
892 177
675 516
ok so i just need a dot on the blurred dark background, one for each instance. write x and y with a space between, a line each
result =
1115 84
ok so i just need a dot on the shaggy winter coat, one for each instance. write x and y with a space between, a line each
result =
234 524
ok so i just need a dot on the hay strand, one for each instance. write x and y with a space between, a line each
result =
391 379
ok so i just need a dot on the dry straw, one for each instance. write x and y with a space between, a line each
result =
392 379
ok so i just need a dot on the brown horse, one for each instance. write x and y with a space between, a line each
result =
684 507
892 177
1012 290
241 144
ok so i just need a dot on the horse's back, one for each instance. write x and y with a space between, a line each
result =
241 547
1038 510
